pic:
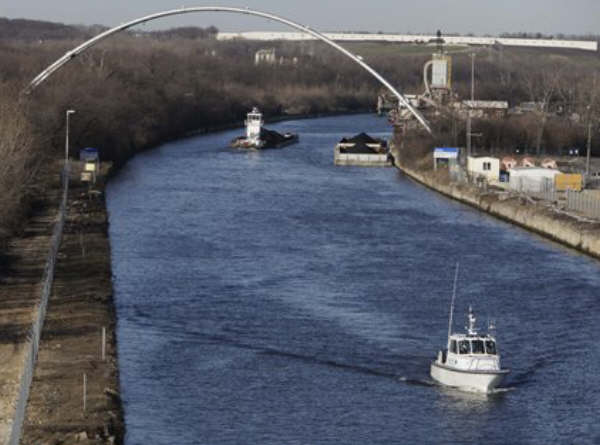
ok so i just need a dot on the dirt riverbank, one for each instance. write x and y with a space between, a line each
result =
22 266
80 306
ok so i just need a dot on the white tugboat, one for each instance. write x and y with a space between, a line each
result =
258 137
471 361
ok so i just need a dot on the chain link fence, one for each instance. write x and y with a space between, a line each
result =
583 202
33 338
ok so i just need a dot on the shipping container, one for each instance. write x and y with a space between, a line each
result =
564 182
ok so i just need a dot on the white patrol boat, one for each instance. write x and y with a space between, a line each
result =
471 361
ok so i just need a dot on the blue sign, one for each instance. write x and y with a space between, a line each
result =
445 153
89 154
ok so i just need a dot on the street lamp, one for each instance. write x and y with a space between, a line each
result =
68 113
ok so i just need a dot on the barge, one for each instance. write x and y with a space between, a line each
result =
257 137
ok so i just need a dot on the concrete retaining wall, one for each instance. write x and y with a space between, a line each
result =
580 235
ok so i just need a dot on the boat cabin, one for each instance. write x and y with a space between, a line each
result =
254 123
471 351
460 344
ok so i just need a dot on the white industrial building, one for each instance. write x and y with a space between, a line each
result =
484 108
266 55
413 38
532 179
484 167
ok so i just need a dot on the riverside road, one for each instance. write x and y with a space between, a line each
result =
273 298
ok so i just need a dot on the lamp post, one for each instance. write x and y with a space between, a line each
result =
67 114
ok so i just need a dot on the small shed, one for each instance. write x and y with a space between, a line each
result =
445 156
484 167
532 179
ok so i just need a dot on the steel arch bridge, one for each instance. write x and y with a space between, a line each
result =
59 63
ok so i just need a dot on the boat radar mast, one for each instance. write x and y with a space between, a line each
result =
471 328
452 304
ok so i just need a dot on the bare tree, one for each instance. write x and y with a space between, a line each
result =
541 84
17 168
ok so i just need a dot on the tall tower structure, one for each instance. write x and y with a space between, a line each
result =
440 85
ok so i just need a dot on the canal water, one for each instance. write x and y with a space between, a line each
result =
273 298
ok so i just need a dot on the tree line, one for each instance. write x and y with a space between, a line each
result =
136 90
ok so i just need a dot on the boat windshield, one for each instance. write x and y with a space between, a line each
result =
453 346
490 347
464 347
477 347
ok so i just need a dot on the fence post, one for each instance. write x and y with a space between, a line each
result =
103 343
84 392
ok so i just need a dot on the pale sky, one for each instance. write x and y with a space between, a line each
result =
419 16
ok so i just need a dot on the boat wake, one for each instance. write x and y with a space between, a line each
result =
502 390
417 382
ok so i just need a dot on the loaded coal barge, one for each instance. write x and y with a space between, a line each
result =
258 138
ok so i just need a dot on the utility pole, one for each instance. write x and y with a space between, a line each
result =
589 144
471 105
469 133
472 76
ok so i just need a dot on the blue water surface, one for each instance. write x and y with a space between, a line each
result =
273 298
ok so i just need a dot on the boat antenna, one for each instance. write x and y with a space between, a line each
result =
452 303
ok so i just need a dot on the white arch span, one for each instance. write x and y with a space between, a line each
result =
91 42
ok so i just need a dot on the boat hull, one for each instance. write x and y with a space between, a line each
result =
467 380
242 142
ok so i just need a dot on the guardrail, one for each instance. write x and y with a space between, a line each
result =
33 339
